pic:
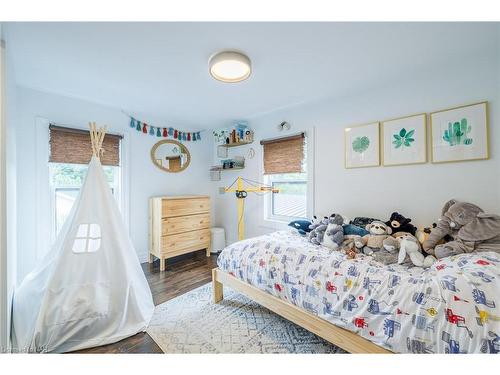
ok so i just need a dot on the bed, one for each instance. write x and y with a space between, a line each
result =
363 306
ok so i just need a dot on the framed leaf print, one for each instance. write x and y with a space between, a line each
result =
362 146
460 133
404 140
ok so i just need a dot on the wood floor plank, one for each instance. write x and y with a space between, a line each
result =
183 274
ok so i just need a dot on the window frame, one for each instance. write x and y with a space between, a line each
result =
275 222
45 231
269 200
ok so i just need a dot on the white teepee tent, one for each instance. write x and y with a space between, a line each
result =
90 289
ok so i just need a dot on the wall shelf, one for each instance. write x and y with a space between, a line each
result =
215 173
236 144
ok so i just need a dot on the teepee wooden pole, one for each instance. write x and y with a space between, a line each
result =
97 138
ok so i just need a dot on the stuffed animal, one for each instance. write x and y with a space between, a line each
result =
302 226
318 228
409 246
374 241
348 245
389 253
351 229
399 223
361 221
334 233
472 231
424 233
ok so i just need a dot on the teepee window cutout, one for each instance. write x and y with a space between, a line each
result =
88 239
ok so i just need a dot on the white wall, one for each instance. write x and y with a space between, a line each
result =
417 191
145 180
8 194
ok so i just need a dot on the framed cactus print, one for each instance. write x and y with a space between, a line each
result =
404 140
362 146
460 133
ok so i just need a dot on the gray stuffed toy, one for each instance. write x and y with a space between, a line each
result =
472 231
334 233
318 228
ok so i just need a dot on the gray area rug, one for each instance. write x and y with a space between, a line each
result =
191 323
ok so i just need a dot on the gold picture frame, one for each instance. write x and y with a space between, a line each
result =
375 133
423 140
483 143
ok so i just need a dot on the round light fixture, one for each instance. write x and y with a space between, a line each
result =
230 66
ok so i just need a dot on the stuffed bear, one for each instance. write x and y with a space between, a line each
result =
472 230
334 233
374 241
399 223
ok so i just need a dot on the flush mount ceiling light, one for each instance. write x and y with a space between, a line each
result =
229 66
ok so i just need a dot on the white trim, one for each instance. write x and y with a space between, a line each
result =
4 272
125 179
44 233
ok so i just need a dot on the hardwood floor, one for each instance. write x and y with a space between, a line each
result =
183 274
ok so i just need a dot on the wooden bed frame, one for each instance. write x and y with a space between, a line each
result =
341 337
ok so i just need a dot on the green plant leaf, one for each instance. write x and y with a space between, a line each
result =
360 144
402 132
396 136
410 133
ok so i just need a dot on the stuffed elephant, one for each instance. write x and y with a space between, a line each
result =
471 229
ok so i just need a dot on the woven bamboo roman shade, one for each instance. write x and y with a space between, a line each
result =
73 146
284 155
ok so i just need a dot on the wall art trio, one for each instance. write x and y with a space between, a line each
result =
456 134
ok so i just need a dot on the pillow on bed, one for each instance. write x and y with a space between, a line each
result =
302 226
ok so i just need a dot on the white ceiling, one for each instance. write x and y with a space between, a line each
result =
160 69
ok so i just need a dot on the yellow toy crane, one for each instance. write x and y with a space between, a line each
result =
241 192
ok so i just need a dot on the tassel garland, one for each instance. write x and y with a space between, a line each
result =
164 132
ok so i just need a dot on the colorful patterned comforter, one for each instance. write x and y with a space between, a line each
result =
451 307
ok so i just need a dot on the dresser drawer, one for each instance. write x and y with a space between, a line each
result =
181 207
179 224
181 243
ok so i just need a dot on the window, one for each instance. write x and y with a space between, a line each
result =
88 239
284 169
70 153
66 181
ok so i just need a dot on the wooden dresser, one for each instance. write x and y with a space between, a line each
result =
178 225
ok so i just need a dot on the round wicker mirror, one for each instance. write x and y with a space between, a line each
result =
170 156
